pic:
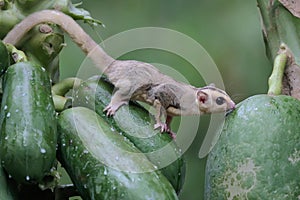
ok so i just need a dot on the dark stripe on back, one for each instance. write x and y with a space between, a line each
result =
214 89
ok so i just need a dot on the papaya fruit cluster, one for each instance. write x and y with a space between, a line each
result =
104 157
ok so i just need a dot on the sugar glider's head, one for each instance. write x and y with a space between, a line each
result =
214 100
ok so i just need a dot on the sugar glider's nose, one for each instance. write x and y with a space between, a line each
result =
231 107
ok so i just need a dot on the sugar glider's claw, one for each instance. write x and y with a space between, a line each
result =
109 110
172 134
164 128
112 108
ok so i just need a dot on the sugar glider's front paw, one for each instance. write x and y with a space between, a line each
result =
162 126
112 108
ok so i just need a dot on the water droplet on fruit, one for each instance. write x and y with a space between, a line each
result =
86 151
43 150
27 178
9 176
105 172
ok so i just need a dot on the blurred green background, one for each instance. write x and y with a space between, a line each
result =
230 31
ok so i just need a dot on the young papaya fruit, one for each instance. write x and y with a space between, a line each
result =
135 123
258 153
27 123
104 164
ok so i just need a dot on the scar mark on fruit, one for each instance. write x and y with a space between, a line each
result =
294 157
239 182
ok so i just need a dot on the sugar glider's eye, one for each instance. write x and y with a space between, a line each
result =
220 100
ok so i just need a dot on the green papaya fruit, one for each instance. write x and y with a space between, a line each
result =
135 123
104 164
258 153
27 123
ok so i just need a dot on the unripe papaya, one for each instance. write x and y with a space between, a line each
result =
258 153
27 123
95 93
105 165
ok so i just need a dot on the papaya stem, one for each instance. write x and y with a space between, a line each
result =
17 55
279 26
61 103
62 87
275 80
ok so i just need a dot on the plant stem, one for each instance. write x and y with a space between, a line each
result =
61 103
62 87
275 80
280 26
17 55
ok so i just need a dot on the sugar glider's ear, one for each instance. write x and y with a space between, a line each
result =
212 85
202 96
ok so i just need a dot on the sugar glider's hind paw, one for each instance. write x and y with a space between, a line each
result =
163 127
172 134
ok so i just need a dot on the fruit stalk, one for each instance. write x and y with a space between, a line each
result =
42 46
17 55
275 80
62 87
279 26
